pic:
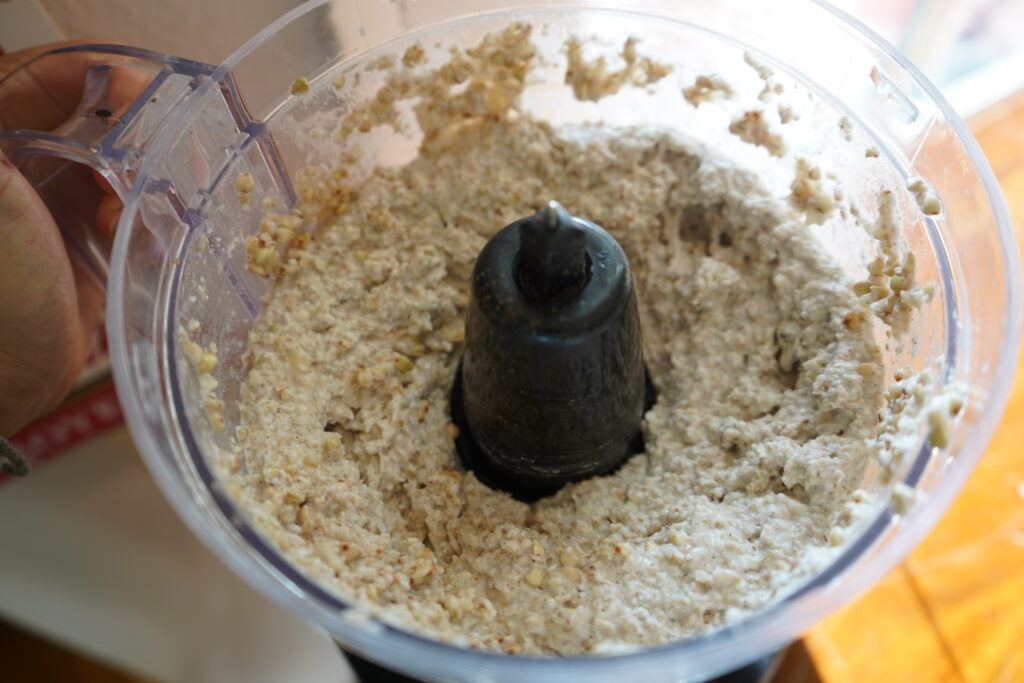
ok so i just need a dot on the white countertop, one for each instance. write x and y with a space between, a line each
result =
95 559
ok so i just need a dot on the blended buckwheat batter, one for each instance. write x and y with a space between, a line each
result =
769 380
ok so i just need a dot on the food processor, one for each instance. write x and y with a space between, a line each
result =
173 137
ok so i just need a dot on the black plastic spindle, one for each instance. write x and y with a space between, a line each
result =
552 386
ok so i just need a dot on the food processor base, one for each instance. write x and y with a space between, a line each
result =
760 671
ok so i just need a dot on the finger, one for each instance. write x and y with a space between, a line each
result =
45 93
108 213
102 182
35 282
90 310
108 210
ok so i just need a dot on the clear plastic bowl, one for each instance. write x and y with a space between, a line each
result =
175 152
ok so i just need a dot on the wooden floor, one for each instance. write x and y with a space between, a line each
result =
954 611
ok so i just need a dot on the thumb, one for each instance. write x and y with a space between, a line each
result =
37 298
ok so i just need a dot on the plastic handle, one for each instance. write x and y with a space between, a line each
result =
127 96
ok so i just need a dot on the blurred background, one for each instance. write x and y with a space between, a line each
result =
971 48
99 581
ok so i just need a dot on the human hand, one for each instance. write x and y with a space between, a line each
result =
49 307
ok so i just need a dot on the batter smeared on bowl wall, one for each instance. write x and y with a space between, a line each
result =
768 374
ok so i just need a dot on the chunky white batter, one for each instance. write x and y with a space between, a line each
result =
769 385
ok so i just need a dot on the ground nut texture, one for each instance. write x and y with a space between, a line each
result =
768 376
